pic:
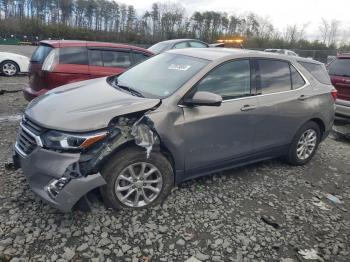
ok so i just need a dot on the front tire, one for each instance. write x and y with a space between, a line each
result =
135 181
305 144
9 68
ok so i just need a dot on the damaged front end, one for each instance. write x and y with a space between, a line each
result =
135 129
62 168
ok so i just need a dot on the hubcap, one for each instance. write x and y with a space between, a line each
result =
138 184
9 69
306 144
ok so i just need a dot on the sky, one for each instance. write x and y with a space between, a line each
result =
280 13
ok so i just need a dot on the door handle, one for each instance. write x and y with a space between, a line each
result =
248 107
303 97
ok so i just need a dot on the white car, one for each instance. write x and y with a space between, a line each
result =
281 51
12 64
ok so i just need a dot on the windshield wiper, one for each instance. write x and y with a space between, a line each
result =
131 91
127 88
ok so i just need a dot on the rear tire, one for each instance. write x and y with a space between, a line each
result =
304 144
9 68
130 175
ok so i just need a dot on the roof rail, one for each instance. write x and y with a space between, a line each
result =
344 53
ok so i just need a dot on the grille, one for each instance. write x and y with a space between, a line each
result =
32 127
27 136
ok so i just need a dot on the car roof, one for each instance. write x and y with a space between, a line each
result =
344 55
218 53
174 41
77 43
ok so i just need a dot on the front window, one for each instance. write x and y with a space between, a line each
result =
161 75
230 80
116 59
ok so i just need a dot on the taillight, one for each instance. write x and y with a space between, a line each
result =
334 94
51 61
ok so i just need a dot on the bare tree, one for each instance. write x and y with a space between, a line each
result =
333 32
324 30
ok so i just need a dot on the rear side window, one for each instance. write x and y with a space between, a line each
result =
297 79
317 71
116 59
73 55
140 57
340 67
274 76
181 45
95 58
40 54
230 80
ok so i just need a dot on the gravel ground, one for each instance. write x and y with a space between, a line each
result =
263 212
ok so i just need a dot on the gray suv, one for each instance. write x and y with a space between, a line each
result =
179 115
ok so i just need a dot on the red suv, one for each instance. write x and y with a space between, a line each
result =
55 63
339 71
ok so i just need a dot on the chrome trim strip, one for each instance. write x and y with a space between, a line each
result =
307 84
37 138
18 150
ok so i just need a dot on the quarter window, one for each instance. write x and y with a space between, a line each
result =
297 79
73 55
116 59
318 71
230 80
274 76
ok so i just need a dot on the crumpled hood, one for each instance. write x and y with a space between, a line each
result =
84 106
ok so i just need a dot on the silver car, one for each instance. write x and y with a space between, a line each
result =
179 115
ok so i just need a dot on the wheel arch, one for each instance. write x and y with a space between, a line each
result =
320 123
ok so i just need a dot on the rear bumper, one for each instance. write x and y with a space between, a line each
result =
43 167
342 108
29 93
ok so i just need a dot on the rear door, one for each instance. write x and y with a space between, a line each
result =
284 103
106 62
339 70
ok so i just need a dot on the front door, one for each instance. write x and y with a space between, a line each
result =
214 136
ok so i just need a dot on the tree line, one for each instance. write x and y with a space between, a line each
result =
109 20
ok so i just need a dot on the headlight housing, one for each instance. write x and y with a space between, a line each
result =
66 141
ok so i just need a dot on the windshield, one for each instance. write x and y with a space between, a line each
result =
158 48
340 67
161 75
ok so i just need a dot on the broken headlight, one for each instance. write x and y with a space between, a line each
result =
60 140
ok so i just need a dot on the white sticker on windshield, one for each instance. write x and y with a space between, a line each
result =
179 67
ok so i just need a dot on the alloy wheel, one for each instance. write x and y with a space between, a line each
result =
306 144
138 184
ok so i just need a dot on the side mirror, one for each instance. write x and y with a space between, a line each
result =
204 99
